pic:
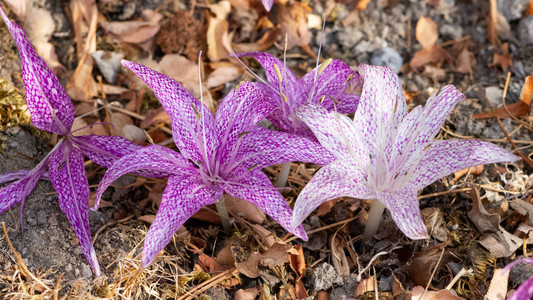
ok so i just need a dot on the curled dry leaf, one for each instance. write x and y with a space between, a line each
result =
472 171
293 19
274 256
217 31
427 32
418 294
516 109
365 286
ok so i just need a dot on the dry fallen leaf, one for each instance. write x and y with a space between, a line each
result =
418 294
365 286
297 263
272 257
340 262
293 19
472 171
217 31
18 7
427 32
516 109
248 294
498 285
484 222
465 62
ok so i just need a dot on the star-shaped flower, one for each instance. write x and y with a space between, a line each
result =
52 110
386 153
217 154
331 85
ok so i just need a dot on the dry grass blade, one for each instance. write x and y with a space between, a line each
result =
525 158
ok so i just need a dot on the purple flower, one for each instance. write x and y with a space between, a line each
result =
51 110
217 154
525 290
331 85
268 4
386 153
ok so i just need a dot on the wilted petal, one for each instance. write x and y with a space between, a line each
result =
331 83
256 188
423 123
188 115
332 181
183 197
239 112
268 4
67 174
447 156
289 83
405 211
50 107
335 132
153 159
381 108
263 147
19 190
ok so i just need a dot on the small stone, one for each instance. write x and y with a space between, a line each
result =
31 221
41 217
453 32
525 30
347 290
109 64
389 57
520 273
52 220
324 277
349 37
217 292
493 95
13 144
13 130
512 9
385 283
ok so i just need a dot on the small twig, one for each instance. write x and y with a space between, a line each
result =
208 284
323 228
505 105
461 273
443 193
525 158
432 274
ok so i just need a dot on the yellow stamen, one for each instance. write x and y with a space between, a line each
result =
324 65
278 73
196 112
283 97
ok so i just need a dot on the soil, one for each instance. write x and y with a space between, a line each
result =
46 241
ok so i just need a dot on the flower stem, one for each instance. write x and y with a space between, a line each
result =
374 218
224 216
283 174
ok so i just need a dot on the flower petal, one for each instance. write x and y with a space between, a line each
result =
263 147
447 156
331 83
183 197
192 122
20 189
153 159
524 291
405 211
67 174
335 132
421 125
256 188
50 107
332 181
105 150
289 83
239 112
268 4
381 107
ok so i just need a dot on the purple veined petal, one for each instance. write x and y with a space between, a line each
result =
381 108
335 180
263 147
336 132
152 159
289 83
422 124
104 150
256 188
348 103
188 115
12 176
524 291
183 197
518 261
67 174
50 107
405 211
447 156
332 82
19 190
239 112
268 4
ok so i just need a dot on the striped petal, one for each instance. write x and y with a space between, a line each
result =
405 211
50 107
183 197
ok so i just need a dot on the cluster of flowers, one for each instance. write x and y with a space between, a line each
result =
383 153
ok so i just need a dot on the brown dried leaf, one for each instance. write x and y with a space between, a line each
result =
326 207
365 286
472 171
147 218
428 55
527 90
523 208
262 44
225 256
244 209
18 7
434 220
223 73
362 4
276 255
465 62
297 260
154 117
427 32
340 262
217 31
517 109
422 266
498 285
501 244
248 294
484 222
418 294
293 19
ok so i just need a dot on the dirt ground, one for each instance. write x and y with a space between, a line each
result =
335 258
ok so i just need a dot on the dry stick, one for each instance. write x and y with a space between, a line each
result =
24 270
432 274
505 105
443 193
57 287
208 283
525 158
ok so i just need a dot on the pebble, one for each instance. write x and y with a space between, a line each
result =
109 64
389 57
512 9
520 273
385 283
346 290
324 277
493 95
453 32
525 30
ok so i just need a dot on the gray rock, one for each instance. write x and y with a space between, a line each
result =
109 64
349 37
217 292
324 277
451 31
386 56
525 31
512 9
385 283
347 290
493 95
520 273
